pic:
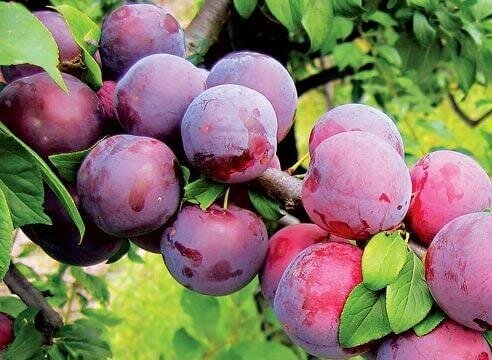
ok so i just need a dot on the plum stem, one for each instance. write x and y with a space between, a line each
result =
291 170
226 198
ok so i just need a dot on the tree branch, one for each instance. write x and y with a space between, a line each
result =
49 320
204 29
463 116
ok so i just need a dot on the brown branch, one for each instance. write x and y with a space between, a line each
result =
49 320
204 29
464 116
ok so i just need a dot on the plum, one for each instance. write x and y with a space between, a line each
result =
68 49
129 185
283 247
154 94
6 330
229 133
356 117
106 98
48 119
263 74
311 295
275 163
356 186
457 268
150 242
132 32
61 240
217 251
449 341
446 184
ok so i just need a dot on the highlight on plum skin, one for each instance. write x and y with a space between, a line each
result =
215 251
356 186
449 341
457 268
311 295
67 47
356 117
263 74
132 32
229 133
153 95
283 247
129 185
446 184
6 330
48 119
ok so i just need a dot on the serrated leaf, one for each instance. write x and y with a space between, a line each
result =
245 7
408 299
53 182
6 234
185 346
363 317
383 259
423 31
125 247
21 184
11 305
287 12
266 206
488 337
68 164
317 18
434 318
86 34
25 40
203 191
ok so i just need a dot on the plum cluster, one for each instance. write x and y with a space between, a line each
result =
157 112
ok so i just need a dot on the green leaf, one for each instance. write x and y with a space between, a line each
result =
185 173
133 254
349 54
68 164
21 184
266 206
317 18
465 70
6 234
434 318
381 18
287 12
94 285
28 340
11 305
408 299
86 34
193 304
25 40
203 192
246 350
125 247
482 9
53 182
363 317
185 346
102 316
81 341
245 7
474 33
383 259
390 54
423 31
488 336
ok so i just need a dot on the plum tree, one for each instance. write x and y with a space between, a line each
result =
457 266
449 341
48 119
283 247
356 117
446 184
61 240
263 74
229 133
6 330
153 95
356 186
129 185
311 295
150 242
68 49
217 251
132 32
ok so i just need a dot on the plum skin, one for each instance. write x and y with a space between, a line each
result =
6 330
48 119
263 74
129 185
150 242
356 117
68 49
356 186
61 240
311 295
153 95
457 266
446 184
215 251
449 341
132 32
229 133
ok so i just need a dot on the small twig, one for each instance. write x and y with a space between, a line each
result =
464 116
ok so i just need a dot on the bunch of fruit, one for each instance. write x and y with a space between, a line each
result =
157 112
